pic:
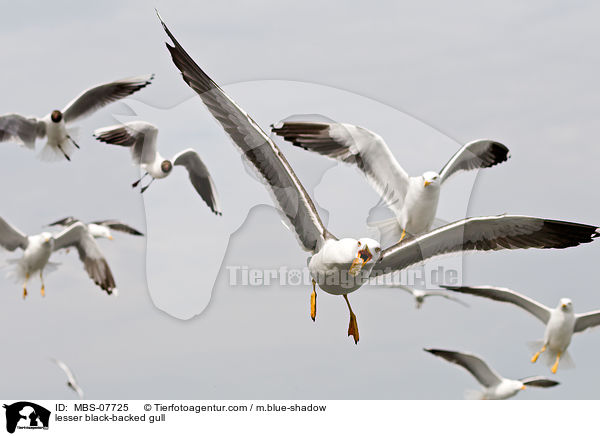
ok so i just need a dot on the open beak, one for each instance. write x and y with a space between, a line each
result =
427 183
361 259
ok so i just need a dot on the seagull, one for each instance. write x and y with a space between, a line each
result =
54 126
341 266
140 137
496 386
561 322
71 381
420 295
413 200
99 229
37 250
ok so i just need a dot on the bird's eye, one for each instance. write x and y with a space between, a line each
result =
359 243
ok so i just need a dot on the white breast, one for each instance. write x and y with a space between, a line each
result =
330 267
420 207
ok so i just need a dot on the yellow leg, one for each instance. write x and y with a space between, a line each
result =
43 287
536 355
555 366
313 302
403 235
25 286
353 326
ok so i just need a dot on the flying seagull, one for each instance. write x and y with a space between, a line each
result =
341 266
54 126
140 137
99 229
420 295
561 322
413 200
71 381
37 250
496 386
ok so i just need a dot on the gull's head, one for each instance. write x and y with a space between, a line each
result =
566 304
102 232
56 116
166 166
430 178
46 238
367 252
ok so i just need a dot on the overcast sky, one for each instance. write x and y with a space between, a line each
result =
427 77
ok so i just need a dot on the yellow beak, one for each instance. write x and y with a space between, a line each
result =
523 387
111 238
427 183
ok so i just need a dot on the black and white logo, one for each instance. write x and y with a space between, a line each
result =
26 415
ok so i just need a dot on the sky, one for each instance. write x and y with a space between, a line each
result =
427 77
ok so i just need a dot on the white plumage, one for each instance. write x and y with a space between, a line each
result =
561 322
141 138
56 126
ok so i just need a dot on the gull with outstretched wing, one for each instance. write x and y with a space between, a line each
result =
495 386
341 266
561 321
413 200
37 250
56 126
140 137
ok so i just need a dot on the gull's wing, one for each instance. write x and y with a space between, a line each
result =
94 98
354 145
446 296
502 232
77 235
586 320
257 147
67 221
139 136
483 153
539 381
70 377
12 238
506 295
474 364
15 127
200 177
119 226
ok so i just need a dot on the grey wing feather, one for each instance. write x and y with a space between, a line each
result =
94 98
12 238
506 295
119 226
483 153
474 364
67 221
586 320
257 147
77 235
502 232
539 382
139 136
200 177
354 145
15 127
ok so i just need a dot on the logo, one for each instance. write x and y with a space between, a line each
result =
26 415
